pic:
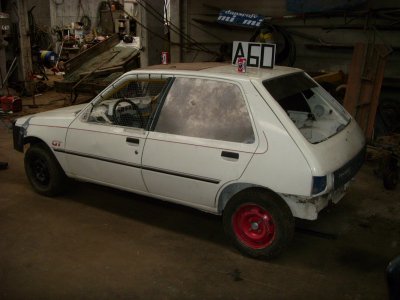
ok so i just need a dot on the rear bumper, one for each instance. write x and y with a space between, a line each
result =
309 207
344 174
331 198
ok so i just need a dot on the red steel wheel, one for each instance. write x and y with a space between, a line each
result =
260 227
253 226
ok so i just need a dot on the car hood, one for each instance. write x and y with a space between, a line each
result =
61 117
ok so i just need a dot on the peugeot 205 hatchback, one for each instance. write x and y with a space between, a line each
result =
260 147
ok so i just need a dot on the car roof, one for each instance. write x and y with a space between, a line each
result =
216 69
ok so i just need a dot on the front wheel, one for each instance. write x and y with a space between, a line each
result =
43 171
259 223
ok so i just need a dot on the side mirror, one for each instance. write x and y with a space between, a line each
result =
393 278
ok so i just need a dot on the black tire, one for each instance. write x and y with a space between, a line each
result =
43 171
269 223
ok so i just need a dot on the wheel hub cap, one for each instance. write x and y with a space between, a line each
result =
40 171
253 225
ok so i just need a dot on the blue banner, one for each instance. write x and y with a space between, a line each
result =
240 19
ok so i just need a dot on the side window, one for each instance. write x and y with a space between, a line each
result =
129 104
206 108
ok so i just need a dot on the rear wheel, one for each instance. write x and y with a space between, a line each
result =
259 223
43 171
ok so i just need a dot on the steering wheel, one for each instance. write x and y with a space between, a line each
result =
117 115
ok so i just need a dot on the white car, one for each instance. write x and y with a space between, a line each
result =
260 147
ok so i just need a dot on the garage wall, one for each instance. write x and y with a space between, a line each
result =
322 44
64 12
41 12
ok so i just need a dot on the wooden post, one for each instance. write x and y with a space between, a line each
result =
175 38
143 34
364 84
25 56
4 21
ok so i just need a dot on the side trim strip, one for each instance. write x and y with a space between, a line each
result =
184 175
115 161
147 168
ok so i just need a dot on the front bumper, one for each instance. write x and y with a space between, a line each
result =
18 137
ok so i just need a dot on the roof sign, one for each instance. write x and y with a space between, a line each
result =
239 19
259 55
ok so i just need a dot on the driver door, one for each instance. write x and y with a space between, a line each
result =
105 143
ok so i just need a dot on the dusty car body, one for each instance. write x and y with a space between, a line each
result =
260 147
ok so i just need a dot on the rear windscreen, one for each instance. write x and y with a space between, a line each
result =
313 110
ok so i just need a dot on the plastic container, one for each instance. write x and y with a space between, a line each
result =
11 103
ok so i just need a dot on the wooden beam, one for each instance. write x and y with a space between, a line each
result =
88 54
354 82
381 53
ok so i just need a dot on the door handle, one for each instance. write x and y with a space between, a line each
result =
132 140
229 154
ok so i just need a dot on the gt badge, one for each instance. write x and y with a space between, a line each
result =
56 143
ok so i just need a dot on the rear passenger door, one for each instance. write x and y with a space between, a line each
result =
203 138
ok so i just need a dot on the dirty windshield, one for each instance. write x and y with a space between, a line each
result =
313 110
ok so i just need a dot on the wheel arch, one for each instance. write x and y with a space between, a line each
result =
32 140
234 188
42 168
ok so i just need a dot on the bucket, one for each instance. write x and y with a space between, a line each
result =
48 58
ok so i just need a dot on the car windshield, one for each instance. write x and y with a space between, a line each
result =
312 109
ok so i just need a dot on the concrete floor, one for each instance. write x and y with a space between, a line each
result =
96 242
